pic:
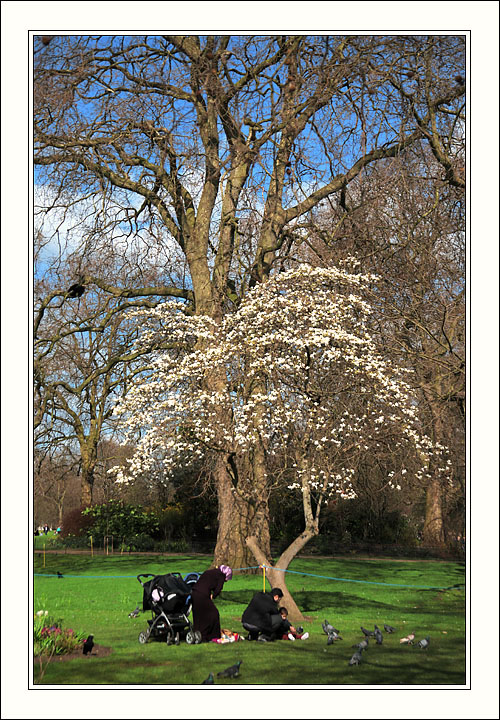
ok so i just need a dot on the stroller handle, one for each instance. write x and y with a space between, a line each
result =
144 575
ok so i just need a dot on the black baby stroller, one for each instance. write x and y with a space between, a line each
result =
169 599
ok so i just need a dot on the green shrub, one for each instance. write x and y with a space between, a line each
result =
140 543
75 542
121 520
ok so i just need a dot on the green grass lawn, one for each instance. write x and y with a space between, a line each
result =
97 594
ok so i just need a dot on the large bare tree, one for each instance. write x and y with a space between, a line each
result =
217 148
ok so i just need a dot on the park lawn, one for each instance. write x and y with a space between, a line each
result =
97 593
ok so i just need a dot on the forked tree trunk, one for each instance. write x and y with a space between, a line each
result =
276 574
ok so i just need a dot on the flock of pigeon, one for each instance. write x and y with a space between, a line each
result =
333 634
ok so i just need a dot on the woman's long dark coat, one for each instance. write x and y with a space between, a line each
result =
206 618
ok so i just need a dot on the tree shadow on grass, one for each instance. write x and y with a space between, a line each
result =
122 565
315 601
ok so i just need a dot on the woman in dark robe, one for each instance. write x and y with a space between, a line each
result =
206 618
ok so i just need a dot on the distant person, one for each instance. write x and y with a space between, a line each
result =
206 618
46 529
262 617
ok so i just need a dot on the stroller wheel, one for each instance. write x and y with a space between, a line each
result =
143 638
177 639
197 637
169 639
190 637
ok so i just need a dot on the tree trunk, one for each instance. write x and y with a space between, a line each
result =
87 486
433 526
238 518
276 574
433 533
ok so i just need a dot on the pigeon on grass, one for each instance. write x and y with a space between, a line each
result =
408 640
378 636
232 671
209 680
363 645
389 628
59 575
332 637
356 658
328 629
367 633
424 643
134 613
88 645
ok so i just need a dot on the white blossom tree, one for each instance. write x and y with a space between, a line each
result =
305 340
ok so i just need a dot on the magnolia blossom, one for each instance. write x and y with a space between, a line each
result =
296 363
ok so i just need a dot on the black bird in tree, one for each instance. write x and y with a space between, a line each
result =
88 645
76 290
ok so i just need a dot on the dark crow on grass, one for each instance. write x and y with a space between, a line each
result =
88 645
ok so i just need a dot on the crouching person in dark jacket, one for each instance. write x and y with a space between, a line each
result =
262 617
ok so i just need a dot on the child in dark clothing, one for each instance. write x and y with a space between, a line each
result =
292 633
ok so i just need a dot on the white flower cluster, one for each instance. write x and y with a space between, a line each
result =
296 363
